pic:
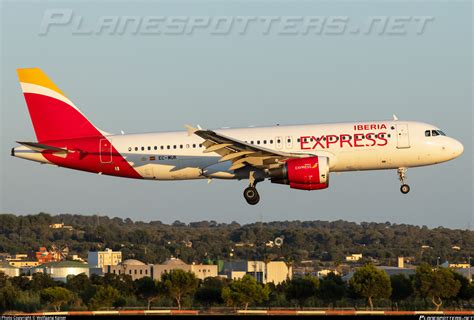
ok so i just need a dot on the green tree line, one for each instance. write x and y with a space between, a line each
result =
154 241
368 288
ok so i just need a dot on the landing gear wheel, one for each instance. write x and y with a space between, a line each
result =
405 188
251 195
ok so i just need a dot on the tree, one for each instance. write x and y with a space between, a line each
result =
402 288
82 286
41 281
178 284
105 296
371 283
210 292
245 291
332 288
57 296
8 294
436 284
148 289
301 289
464 294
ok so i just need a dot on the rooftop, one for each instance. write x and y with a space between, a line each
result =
132 262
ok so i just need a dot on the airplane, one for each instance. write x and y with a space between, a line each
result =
300 156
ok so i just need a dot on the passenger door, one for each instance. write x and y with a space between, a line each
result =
403 139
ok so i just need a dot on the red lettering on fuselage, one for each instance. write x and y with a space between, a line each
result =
355 140
358 137
318 142
303 141
374 126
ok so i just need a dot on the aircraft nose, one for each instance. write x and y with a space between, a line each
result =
456 148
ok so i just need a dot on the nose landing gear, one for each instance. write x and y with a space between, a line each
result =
402 175
250 193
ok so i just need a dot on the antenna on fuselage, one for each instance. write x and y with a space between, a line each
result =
395 118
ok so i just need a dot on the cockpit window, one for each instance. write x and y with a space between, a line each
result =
427 133
434 133
441 133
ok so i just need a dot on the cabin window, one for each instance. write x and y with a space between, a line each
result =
427 133
187 146
278 141
289 140
168 147
194 145
251 142
200 145
271 141
155 147
389 135
258 141
129 148
143 148
136 148
174 147
149 148
181 146
264 141
162 147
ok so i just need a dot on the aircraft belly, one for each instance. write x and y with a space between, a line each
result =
181 168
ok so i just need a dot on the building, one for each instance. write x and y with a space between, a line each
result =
273 271
60 270
277 272
324 272
8 269
390 271
134 268
459 265
101 259
23 263
201 271
60 226
45 256
354 257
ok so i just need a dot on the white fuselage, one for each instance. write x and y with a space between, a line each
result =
355 146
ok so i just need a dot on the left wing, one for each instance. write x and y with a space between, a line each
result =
240 152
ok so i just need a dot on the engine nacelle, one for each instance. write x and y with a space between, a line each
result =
303 173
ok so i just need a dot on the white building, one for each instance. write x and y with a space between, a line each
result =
202 271
62 269
8 269
354 257
101 259
273 271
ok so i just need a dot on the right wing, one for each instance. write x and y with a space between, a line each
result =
240 152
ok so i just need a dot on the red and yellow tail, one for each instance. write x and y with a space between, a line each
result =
53 115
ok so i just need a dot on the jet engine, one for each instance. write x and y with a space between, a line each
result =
310 173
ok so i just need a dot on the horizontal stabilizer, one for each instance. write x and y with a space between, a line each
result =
39 147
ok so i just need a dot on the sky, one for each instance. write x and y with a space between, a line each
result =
161 76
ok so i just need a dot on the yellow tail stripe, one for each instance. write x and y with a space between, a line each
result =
36 76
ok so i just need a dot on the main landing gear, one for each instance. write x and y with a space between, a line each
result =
402 175
250 193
